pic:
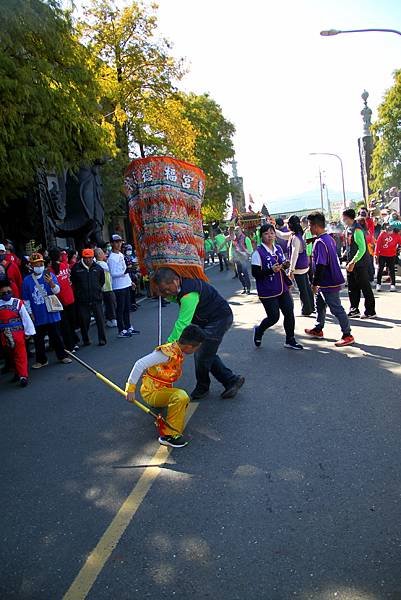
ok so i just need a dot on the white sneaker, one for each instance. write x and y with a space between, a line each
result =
109 324
393 288
378 287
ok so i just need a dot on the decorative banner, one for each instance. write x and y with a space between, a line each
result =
165 197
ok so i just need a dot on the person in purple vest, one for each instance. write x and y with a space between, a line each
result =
299 264
327 281
273 287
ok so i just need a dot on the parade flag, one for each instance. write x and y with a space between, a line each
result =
165 197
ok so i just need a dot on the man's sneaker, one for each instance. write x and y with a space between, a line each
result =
372 316
76 347
354 313
233 389
293 345
346 340
244 291
39 365
65 361
393 288
314 332
257 340
175 441
133 331
124 334
23 381
248 291
198 394
378 288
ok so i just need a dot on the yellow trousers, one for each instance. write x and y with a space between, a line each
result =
175 399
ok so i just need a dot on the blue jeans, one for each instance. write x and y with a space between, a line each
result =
243 273
305 293
206 359
332 300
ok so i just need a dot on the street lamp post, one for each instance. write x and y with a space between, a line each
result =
342 171
331 32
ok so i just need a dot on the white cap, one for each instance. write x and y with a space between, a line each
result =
2 247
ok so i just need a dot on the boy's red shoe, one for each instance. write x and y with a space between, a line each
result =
314 333
346 340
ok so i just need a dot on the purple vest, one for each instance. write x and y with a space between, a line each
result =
275 284
325 252
303 259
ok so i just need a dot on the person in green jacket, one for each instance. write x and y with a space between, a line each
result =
209 249
221 243
357 267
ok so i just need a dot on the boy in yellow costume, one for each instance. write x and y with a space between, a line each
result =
160 370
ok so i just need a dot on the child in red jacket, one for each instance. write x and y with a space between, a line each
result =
386 249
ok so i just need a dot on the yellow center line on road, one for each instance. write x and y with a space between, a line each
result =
96 560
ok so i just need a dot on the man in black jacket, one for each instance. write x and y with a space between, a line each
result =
201 304
88 279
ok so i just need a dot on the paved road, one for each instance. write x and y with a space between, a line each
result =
292 490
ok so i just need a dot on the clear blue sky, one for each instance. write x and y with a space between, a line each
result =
287 90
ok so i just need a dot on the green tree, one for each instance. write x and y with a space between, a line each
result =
386 163
213 150
49 96
136 76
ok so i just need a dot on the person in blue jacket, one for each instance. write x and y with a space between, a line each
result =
35 287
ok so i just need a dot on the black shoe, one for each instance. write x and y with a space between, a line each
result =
198 394
257 340
23 381
248 292
175 441
293 345
354 313
233 389
235 277
15 378
244 291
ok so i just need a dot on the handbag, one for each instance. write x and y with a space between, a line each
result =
53 304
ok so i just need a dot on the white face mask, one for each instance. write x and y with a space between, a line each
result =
38 270
129 252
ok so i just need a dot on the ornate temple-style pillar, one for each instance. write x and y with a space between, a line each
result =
365 147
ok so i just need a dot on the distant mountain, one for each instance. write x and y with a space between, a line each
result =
306 200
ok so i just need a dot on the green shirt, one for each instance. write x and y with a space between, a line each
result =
248 245
188 305
208 245
221 242
359 238
307 236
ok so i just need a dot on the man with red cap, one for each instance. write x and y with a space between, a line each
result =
88 278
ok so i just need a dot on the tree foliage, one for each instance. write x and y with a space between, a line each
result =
104 86
49 95
386 163
213 149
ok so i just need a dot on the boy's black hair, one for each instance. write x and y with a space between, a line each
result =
350 213
192 335
317 218
279 222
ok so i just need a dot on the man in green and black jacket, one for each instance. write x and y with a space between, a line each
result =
357 257
201 304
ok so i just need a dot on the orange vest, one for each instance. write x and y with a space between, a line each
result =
167 373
